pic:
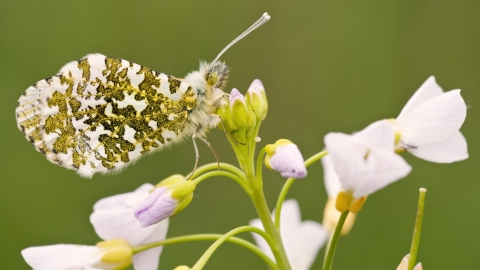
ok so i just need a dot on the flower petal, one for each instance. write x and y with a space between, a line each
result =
302 240
332 183
427 91
121 200
158 206
451 150
288 161
148 259
379 134
387 167
118 220
434 121
61 256
261 243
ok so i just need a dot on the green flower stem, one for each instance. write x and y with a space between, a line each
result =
417 230
289 183
208 237
240 181
260 158
214 166
333 244
208 253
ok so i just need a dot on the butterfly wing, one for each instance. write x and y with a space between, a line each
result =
99 113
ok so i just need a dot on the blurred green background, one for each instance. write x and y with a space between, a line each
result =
326 65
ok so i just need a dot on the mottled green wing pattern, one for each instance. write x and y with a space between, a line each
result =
100 113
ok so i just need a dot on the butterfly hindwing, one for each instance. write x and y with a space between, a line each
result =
100 113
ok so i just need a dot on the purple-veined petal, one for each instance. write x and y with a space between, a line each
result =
451 150
434 121
61 256
158 206
427 91
288 161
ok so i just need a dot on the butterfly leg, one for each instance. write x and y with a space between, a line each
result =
213 150
228 133
197 156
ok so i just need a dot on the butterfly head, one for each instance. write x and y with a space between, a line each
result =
216 74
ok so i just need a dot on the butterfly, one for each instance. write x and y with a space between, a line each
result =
100 113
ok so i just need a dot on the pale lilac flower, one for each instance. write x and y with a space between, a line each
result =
404 264
365 162
170 196
285 158
428 126
302 239
112 219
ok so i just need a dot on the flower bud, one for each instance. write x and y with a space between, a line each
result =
285 158
117 252
169 197
257 99
242 115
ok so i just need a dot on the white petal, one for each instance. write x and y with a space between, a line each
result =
434 121
261 243
427 91
148 259
61 256
332 183
451 150
120 200
387 167
379 134
348 154
309 238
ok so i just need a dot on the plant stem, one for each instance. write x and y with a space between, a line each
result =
214 166
289 183
207 237
417 230
208 253
240 181
333 244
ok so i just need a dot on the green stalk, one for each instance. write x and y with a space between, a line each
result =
207 237
214 166
237 179
289 183
208 253
417 230
333 244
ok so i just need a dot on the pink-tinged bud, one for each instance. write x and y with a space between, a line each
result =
169 197
241 113
257 99
285 158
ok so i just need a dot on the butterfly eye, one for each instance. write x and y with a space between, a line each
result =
212 78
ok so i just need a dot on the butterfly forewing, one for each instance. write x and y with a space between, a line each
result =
101 113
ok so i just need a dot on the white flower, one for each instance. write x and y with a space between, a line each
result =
302 239
333 186
170 197
428 126
404 264
112 219
365 162
285 158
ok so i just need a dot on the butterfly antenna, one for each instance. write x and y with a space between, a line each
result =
265 18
